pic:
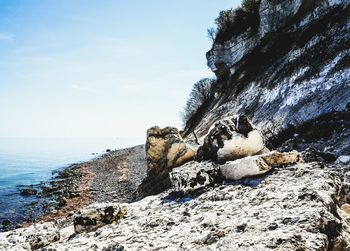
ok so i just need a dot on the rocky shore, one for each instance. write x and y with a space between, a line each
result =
265 200
49 196
113 176
263 164
300 207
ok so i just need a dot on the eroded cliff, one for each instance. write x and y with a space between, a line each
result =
291 70
291 77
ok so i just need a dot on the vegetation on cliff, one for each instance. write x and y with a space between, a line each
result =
229 23
199 95
233 22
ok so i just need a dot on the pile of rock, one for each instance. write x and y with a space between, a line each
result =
232 149
165 149
30 238
286 210
40 235
97 215
193 176
300 207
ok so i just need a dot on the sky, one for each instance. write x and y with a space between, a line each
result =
111 68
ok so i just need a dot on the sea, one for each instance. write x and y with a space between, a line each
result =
30 161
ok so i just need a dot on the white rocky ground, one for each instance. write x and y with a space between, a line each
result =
293 208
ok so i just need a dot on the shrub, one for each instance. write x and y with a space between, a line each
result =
200 93
251 6
229 23
234 22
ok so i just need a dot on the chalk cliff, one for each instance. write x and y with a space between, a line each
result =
292 69
291 77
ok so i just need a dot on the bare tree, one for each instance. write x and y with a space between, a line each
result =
198 95
211 32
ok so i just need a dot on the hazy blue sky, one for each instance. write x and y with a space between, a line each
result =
79 68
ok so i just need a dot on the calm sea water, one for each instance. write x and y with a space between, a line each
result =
31 161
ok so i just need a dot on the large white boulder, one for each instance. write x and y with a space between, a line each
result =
231 138
258 165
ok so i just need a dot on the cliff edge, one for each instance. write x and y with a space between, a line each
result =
291 69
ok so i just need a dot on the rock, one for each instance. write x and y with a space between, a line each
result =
193 175
241 228
6 222
229 139
223 56
276 14
28 192
67 232
311 154
346 208
97 215
257 165
275 214
114 247
165 149
108 150
273 226
30 238
343 159
213 237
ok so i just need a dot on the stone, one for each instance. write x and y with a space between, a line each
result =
97 215
273 226
193 175
28 192
312 154
229 139
30 238
165 150
345 208
258 165
114 247
196 175
232 217
343 159
6 222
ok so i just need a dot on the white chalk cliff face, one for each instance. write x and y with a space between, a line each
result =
293 69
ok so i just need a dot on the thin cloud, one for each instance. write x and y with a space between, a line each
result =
6 36
86 89
42 59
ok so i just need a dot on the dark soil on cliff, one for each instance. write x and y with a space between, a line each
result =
329 133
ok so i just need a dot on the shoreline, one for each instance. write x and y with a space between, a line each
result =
75 203
111 177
